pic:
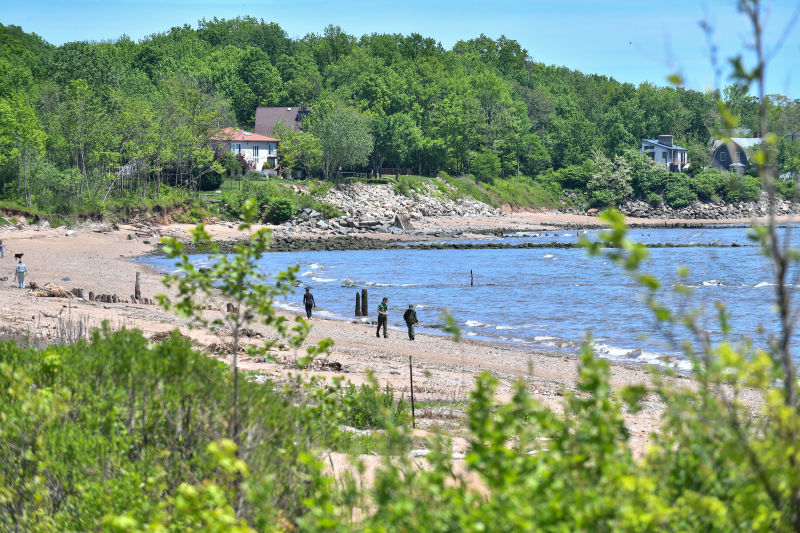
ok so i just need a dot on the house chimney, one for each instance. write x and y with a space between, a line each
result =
665 139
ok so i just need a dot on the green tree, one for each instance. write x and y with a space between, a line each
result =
22 142
485 166
344 138
300 150
610 183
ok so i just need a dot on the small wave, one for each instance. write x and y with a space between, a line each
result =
712 283
764 284
323 280
505 327
612 351
474 324
471 334
548 256
306 273
542 338
568 235
314 266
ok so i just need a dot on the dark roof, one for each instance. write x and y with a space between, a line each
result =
268 117
673 147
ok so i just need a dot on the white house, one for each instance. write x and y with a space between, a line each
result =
663 152
260 151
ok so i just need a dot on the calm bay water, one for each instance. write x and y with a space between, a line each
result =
545 298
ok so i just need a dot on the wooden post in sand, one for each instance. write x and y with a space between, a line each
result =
137 291
358 303
364 307
411 379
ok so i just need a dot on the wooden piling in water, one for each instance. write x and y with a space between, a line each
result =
364 306
137 290
358 303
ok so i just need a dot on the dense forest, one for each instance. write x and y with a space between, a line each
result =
87 124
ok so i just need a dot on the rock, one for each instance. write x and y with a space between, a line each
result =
72 233
322 225
402 222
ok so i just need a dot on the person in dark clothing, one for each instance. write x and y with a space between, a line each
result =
308 301
383 315
410 316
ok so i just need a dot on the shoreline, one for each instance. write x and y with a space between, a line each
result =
103 260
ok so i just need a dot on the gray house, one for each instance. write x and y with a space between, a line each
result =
664 152
735 153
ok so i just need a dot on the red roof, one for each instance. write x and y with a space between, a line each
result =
235 134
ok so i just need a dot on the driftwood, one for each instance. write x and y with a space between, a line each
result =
51 290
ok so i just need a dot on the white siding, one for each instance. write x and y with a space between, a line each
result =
266 149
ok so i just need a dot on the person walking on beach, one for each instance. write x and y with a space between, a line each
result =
21 271
383 315
410 316
308 301
2 249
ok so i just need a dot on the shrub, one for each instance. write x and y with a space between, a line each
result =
679 195
739 188
280 210
678 192
573 176
787 189
210 182
366 407
401 186
654 199
708 184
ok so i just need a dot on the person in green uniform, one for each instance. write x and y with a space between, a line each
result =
383 315
410 316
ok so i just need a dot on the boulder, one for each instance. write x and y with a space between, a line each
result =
402 222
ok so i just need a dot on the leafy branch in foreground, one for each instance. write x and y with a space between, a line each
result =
249 296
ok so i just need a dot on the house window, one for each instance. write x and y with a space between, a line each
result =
723 156
738 156
237 148
255 152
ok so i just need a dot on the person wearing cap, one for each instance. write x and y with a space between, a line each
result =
383 315
410 316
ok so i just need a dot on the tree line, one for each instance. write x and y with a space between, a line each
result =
88 123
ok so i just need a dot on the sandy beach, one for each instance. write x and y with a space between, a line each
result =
102 260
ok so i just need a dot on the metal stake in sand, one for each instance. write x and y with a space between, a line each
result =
411 379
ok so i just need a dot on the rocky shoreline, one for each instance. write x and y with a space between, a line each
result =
377 217
710 210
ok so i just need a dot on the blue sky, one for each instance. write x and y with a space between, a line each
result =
632 41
